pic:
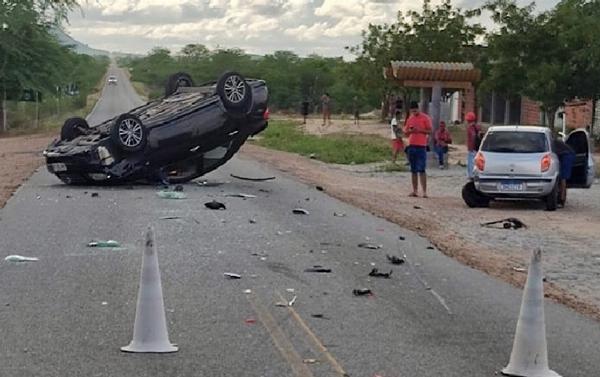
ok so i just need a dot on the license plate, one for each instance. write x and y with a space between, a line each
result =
512 186
58 167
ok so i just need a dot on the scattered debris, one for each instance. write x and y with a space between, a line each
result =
300 211
250 321
20 258
375 273
253 179
313 156
170 218
209 184
248 291
417 207
319 315
362 292
318 269
341 214
290 290
171 195
395 260
178 188
95 195
264 190
310 361
215 205
68 196
369 246
109 243
508 223
231 275
519 269
430 248
320 188
401 238
240 195
252 221
104 303
292 301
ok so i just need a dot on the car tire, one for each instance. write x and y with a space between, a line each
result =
73 127
235 93
176 81
129 133
473 198
552 199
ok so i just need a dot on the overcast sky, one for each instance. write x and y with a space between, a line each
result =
256 26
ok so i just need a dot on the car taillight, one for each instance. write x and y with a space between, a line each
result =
546 162
266 114
480 161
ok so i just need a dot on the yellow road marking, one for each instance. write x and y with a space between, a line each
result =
280 340
334 363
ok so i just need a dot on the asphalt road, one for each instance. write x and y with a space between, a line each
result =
69 313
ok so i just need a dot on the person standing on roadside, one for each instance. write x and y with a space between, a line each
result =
566 157
355 110
442 139
326 109
396 132
304 110
418 129
474 136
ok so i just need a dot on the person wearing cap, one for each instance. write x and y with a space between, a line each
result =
442 139
474 136
418 129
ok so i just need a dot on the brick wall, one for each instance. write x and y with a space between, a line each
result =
579 113
530 112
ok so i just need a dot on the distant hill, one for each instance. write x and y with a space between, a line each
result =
80 48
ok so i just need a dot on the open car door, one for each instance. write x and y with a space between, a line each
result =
583 173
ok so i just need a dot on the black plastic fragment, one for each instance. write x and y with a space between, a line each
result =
362 292
215 205
395 260
375 273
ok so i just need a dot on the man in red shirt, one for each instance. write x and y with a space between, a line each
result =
418 129
442 139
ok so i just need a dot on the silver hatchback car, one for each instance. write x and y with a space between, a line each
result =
518 162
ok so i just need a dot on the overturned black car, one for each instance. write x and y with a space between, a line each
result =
188 133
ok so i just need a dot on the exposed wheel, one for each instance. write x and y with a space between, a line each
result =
552 199
128 132
473 198
176 81
73 127
235 93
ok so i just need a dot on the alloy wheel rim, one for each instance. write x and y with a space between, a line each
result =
235 89
130 132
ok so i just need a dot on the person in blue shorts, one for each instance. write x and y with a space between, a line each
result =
566 156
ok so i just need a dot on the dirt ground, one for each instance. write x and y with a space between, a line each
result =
569 237
19 158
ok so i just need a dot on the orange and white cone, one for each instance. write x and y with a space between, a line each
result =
529 357
150 334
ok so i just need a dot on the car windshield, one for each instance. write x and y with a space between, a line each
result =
515 142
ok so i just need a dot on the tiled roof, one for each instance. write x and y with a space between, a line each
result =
434 71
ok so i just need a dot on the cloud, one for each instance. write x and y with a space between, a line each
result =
257 26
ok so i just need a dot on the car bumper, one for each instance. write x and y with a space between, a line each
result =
515 187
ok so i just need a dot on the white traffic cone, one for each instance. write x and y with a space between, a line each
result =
150 334
529 357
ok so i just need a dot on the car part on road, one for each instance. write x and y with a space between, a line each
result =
20 258
369 246
74 127
209 184
395 260
362 292
310 361
150 334
240 195
339 214
318 269
231 275
401 238
214 205
171 195
300 211
170 218
473 198
375 273
320 188
292 301
108 244
94 195
176 81
252 179
508 223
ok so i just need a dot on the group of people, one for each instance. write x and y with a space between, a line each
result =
325 101
417 127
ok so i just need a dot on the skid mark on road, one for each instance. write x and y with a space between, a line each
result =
281 341
334 363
